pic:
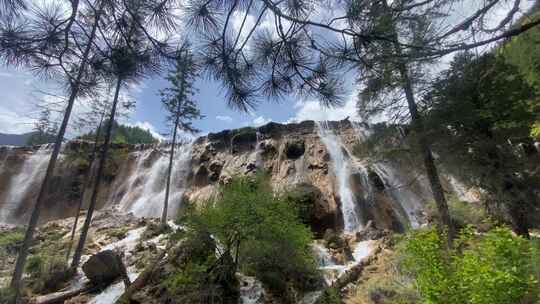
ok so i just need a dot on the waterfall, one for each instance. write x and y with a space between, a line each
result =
342 168
21 185
143 192
399 189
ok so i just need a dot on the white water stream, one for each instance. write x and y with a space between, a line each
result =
342 169
143 191
28 178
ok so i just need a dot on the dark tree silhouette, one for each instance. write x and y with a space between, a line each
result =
177 100
306 51
50 44
128 53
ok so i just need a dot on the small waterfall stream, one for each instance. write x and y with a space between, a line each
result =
143 191
23 183
342 168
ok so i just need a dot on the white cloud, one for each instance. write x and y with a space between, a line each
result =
149 127
313 110
226 119
261 120
14 123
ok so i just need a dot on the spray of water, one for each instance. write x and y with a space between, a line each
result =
143 192
342 168
28 178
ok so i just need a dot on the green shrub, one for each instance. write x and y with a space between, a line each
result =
154 229
264 231
11 240
497 267
6 295
47 273
330 296
463 213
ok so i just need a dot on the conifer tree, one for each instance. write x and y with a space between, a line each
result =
177 100
128 54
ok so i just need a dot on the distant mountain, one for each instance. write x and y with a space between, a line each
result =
15 139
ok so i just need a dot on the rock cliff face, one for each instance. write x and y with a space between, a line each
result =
314 159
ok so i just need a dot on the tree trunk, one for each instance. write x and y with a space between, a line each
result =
36 212
427 156
87 180
142 279
168 186
97 181
418 127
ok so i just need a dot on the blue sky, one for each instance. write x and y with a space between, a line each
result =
18 97
20 92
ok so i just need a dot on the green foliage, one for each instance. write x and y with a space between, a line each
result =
476 108
123 134
535 130
493 268
523 51
178 97
11 240
6 295
303 196
463 213
330 296
264 231
47 272
154 229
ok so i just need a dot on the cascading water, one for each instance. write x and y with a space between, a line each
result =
342 168
27 179
395 184
399 189
143 192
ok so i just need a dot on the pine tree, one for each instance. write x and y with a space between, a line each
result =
177 100
129 54
45 42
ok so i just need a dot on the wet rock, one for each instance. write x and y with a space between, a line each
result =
376 180
201 177
370 232
103 267
295 149
313 207
215 171
244 139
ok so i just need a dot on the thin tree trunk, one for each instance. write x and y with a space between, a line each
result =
167 188
87 180
425 150
427 156
101 165
36 212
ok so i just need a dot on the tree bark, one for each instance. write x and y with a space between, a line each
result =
169 171
36 212
97 182
87 180
425 150
427 156
142 279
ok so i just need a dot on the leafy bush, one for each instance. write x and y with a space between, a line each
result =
493 268
463 213
47 273
154 229
330 296
6 295
263 230
11 240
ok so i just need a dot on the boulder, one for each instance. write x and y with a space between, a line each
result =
103 267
